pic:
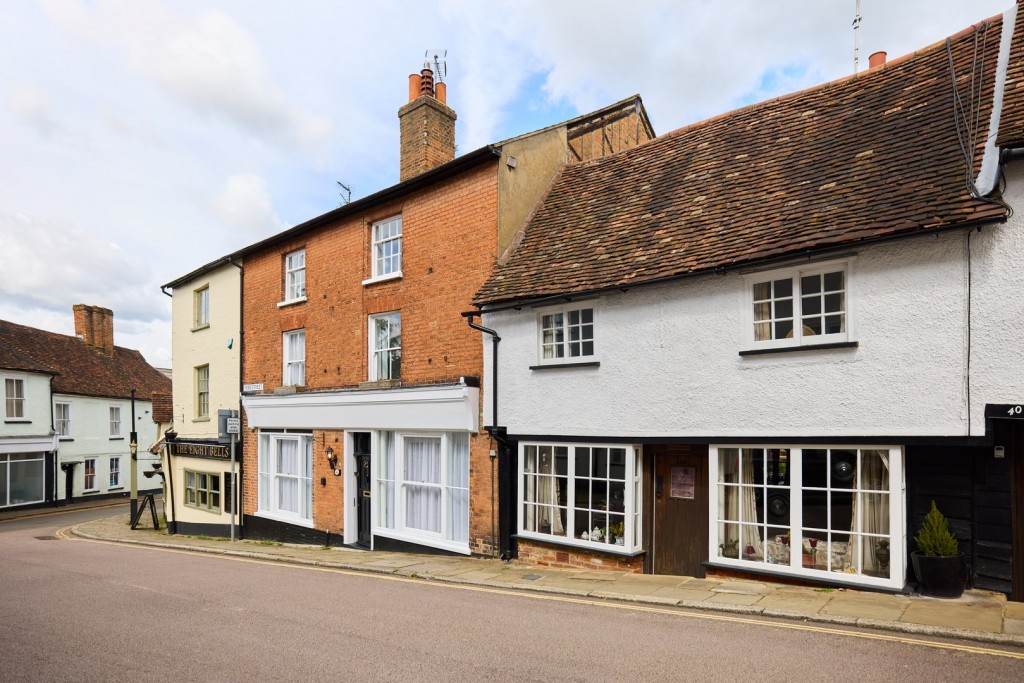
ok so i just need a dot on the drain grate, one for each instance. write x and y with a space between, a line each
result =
47 538
533 577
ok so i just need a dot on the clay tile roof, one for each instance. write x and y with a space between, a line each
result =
163 407
12 359
867 157
82 369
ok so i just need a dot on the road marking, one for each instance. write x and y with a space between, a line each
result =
65 534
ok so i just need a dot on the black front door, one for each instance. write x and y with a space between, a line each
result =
361 444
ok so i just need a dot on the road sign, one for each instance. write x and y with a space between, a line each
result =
234 425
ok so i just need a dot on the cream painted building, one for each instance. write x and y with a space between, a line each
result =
205 357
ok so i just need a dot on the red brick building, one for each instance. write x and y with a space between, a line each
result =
361 380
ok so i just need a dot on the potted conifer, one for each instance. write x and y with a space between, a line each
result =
940 566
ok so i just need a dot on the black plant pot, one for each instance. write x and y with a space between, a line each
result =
940 577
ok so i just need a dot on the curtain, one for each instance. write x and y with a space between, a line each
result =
458 487
871 510
748 513
422 483
386 479
287 475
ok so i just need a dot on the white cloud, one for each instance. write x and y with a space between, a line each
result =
245 203
209 63
31 106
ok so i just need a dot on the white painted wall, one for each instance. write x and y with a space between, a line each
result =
37 405
191 348
90 438
670 363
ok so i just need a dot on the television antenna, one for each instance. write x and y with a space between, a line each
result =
437 57
346 192
856 37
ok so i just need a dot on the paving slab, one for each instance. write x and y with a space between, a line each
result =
596 576
742 588
1014 610
865 605
393 562
682 593
953 615
1013 627
630 588
795 601
702 584
734 599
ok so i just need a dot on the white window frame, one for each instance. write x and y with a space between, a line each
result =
567 346
115 423
268 477
399 483
15 405
795 274
201 305
294 277
202 374
293 366
62 419
632 506
897 522
89 463
114 472
374 375
385 250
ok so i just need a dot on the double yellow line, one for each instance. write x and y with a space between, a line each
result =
631 607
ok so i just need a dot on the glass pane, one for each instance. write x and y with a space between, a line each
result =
729 540
600 462
874 513
810 305
529 517
582 525
762 331
783 288
762 291
833 281
588 348
561 460
813 555
599 495
874 473
784 308
844 469
835 324
810 284
815 509
762 311
876 556
751 508
811 326
574 317
833 303
582 494
530 459
815 467
841 510
617 497
582 462
729 465
784 329
751 543
545 460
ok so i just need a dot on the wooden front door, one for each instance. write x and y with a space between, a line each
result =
361 447
680 510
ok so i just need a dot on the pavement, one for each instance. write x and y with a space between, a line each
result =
979 615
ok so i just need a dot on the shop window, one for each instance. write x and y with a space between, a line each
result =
285 472
202 490
581 494
22 478
814 510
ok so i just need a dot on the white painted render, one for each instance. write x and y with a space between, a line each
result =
90 438
670 363
192 347
36 420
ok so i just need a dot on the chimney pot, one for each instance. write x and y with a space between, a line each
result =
441 92
426 81
876 59
414 86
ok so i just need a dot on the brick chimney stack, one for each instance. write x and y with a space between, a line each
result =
426 125
95 325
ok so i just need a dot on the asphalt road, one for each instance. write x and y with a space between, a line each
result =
85 611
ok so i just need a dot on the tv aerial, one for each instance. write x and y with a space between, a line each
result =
437 58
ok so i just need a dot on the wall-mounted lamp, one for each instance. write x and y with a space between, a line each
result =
332 459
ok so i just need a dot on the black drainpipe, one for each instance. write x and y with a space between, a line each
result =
506 505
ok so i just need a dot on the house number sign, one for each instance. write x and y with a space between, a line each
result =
682 482
1010 411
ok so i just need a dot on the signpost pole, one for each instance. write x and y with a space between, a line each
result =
234 427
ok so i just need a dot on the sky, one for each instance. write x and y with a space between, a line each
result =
142 139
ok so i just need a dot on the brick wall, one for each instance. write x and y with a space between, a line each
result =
545 555
449 234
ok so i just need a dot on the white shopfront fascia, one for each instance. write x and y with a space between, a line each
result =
28 444
443 408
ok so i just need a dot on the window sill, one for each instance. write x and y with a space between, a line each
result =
17 421
205 326
555 366
116 488
117 438
286 519
292 302
382 278
213 511
829 578
805 347
429 540
609 548
201 419
66 438
90 491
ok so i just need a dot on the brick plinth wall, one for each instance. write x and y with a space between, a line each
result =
544 555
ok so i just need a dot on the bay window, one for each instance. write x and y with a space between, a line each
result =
285 473
422 488
581 494
810 510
